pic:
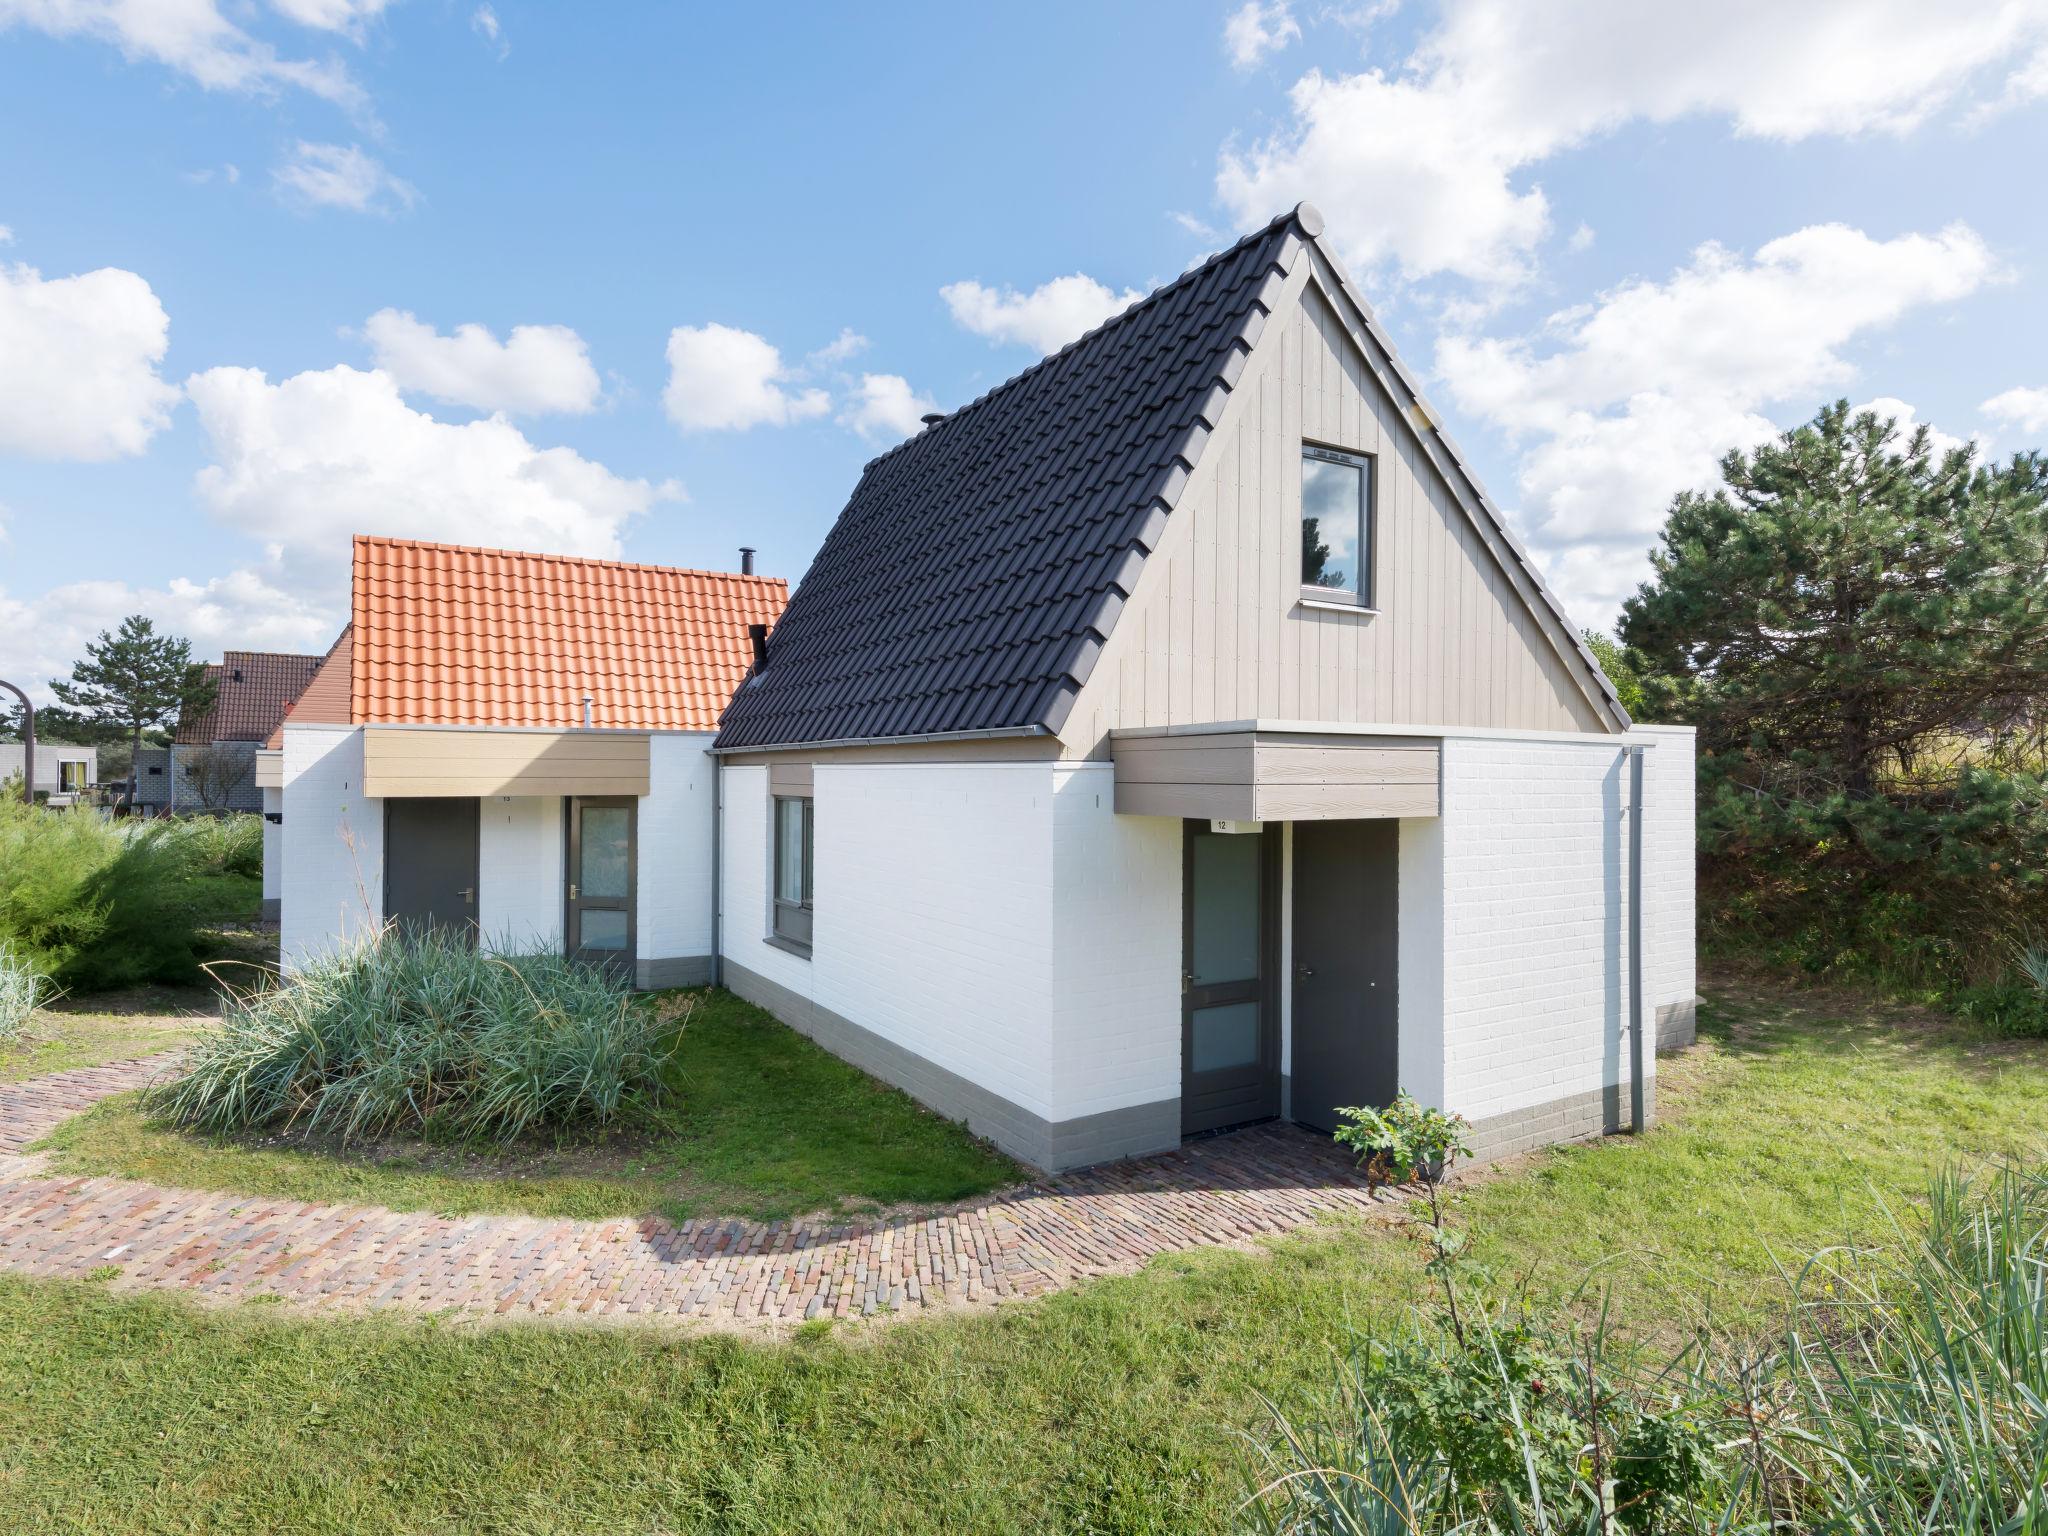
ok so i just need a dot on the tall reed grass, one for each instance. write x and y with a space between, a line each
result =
1905 1395
422 1033
23 990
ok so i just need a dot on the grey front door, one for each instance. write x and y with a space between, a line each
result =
1346 900
430 864
1230 1036
602 866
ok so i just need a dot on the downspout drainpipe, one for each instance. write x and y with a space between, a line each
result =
1638 1095
717 879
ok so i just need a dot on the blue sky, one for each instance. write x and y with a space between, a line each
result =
713 260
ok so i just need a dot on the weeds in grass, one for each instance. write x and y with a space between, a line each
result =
422 1033
1906 1393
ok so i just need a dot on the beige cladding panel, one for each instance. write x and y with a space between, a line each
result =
399 762
1267 777
269 770
1217 629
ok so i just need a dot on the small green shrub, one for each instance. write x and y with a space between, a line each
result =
22 991
421 1033
93 904
221 845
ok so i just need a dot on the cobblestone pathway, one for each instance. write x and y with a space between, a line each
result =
1025 1242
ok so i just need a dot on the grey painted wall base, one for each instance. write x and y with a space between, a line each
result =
1576 1117
1030 1138
1678 1024
678 971
270 908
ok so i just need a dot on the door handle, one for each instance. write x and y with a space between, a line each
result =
469 894
1302 970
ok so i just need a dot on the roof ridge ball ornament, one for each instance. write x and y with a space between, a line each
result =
28 743
932 418
1309 217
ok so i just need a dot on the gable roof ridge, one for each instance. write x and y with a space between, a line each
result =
1129 312
597 561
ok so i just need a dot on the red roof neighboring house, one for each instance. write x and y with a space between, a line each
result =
446 635
253 690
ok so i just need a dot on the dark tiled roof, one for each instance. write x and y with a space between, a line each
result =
253 689
970 582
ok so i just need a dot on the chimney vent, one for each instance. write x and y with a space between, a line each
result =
932 418
586 711
746 561
758 634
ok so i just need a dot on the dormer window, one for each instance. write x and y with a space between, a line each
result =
1336 526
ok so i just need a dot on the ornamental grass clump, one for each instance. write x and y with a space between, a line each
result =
23 990
421 1034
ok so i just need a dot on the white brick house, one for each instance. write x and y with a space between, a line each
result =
514 747
1176 737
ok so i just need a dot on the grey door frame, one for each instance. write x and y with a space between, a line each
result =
1373 1001
1235 1096
470 927
573 902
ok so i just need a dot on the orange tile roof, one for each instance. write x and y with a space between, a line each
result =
443 635
325 699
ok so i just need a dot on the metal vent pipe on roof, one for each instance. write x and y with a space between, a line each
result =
932 418
758 634
746 561
586 711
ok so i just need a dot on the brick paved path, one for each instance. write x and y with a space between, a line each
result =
1023 1243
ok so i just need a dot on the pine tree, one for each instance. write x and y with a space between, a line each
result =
1858 626
136 680
1848 597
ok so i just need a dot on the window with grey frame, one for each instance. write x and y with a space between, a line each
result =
794 840
1336 525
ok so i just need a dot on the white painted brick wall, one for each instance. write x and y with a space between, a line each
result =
1535 914
1670 865
273 844
519 873
1117 949
333 857
934 912
674 895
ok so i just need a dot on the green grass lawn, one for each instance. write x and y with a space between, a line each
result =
1113 1407
762 1124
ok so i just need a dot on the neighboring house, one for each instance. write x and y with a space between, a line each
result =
63 772
210 764
1176 737
517 746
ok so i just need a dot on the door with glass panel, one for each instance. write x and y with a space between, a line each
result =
601 866
1230 1057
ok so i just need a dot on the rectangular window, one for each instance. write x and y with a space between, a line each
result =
1336 525
793 843
70 775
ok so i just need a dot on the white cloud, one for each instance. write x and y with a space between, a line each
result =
307 462
341 176
1581 240
6 235
1907 419
189 36
1256 31
1045 319
721 378
885 406
343 16
41 636
2024 408
848 343
1199 228
536 369
1424 169
78 364
484 22
1621 403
